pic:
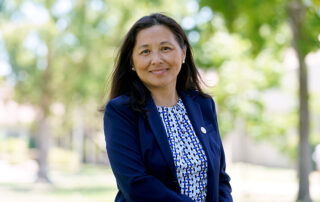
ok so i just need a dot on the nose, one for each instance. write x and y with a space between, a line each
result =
156 58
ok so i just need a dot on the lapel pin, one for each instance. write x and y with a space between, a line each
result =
203 130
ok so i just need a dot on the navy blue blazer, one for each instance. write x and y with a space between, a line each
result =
141 158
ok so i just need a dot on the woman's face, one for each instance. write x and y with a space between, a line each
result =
157 57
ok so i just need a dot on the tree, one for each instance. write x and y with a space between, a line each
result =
42 55
248 19
63 55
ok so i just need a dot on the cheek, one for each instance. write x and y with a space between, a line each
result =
177 64
140 63
175 59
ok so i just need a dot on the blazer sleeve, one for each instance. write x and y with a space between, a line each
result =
122 143
224 179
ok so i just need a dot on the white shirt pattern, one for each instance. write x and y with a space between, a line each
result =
189 158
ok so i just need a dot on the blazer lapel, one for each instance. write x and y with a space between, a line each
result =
160 134
196 118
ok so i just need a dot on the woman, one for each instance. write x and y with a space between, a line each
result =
161 130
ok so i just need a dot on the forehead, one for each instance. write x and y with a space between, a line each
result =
155 34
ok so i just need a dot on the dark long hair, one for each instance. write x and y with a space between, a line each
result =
126 82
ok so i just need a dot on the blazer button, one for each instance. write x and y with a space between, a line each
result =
203 130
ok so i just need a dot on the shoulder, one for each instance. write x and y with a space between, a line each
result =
203 99
121 100
119 106
205 102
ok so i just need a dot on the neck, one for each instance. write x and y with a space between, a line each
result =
165 98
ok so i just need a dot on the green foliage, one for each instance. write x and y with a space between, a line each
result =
248 60
311 30
242 80
246 17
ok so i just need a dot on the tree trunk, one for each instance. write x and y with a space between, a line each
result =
296 14
305 163
44 131
78 133
90 151
43 143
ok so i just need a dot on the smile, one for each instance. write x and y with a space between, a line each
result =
159 71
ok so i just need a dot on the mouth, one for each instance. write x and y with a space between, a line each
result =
158 71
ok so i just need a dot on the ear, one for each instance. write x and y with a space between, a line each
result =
184 53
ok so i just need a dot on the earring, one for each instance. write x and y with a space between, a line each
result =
132 68
183 61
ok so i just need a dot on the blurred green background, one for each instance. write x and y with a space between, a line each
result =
260 60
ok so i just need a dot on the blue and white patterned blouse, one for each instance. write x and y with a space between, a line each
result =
189 158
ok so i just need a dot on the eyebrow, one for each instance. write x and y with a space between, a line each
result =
161 43
164 42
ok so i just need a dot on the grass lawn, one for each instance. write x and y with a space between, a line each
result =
250 183
90 184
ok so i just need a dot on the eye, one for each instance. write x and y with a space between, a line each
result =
144 52
166 48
